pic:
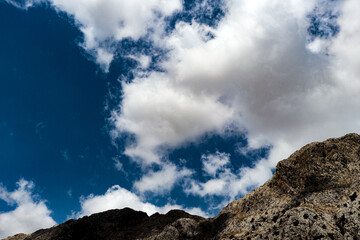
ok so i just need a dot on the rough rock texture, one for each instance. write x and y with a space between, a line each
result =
314 194
19 236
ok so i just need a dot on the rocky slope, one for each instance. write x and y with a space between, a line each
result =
314 194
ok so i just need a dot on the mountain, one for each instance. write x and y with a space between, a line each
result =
314 194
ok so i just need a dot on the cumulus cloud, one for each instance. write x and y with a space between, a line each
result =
159 112
117 197
261 71
30 213
161 181
345 47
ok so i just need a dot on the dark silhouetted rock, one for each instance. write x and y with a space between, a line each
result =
314 194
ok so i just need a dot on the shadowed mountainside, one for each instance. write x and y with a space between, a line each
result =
312 195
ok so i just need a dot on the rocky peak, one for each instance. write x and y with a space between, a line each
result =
314 194
319 166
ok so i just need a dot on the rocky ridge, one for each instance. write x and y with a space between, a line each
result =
314 194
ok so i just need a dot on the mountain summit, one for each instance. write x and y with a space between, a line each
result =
314 194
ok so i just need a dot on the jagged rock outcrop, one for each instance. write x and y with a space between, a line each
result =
314 194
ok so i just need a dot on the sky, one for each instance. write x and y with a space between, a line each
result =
164 104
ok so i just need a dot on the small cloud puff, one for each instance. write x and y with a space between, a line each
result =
213 163
224 181
162 181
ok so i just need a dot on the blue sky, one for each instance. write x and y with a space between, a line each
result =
163 104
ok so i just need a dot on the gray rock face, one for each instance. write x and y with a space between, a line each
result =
314 194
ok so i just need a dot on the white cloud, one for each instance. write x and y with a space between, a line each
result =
105 22
317 46
259 72
161 181
217 166
345 46
30 213
249 178
24 4
211 187
211 82
143 60
118 198
159 112
213 163
226 182
104 58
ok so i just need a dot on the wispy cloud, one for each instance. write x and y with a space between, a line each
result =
39 128
24 4
65 155
118 165
69 193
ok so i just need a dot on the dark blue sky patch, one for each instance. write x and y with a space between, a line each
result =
51 102
195 10
323 23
